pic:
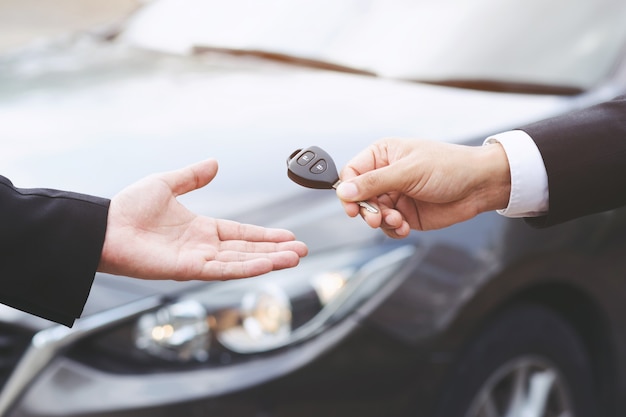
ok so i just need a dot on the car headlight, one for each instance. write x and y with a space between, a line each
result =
179 331
262 321
220 322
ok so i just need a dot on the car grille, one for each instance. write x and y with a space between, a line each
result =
13 344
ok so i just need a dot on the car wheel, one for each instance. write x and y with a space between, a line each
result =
528 362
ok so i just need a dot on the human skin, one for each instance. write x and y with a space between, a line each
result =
424 185
151 235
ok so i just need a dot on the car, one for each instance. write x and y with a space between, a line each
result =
490 317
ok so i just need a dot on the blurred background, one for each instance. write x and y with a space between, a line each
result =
24 21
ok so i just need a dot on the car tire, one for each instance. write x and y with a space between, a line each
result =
528 361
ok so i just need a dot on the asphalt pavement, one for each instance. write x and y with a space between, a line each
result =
25 21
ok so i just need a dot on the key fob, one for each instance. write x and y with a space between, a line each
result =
312 167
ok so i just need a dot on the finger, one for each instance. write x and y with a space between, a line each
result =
244 248
398 233
232 230
250 268
394 224
192 177
351 209
234 270
364 161
284 260
300 248
370 184
392 219
278 257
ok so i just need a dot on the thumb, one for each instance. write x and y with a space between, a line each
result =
369 184
192 177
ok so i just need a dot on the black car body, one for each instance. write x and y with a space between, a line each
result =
486 318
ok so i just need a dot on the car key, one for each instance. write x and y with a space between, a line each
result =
313 167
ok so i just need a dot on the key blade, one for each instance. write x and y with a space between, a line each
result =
367 206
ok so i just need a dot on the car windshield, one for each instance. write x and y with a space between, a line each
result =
570 44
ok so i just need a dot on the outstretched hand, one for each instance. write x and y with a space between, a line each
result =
424 185
151 235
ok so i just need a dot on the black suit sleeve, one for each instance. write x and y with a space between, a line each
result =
50 245
585 157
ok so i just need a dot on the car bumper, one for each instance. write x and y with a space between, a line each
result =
67 387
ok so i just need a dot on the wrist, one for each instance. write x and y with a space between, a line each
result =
494 181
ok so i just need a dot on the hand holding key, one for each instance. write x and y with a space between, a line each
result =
313 167
425 185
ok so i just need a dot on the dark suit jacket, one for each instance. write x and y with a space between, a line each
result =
50 245
585 157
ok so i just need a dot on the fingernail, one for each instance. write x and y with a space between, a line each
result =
347 191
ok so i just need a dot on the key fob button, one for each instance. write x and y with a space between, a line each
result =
319 167
306 158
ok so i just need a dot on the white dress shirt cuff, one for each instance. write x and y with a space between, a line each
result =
529 180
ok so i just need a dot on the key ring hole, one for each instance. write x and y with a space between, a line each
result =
293 155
